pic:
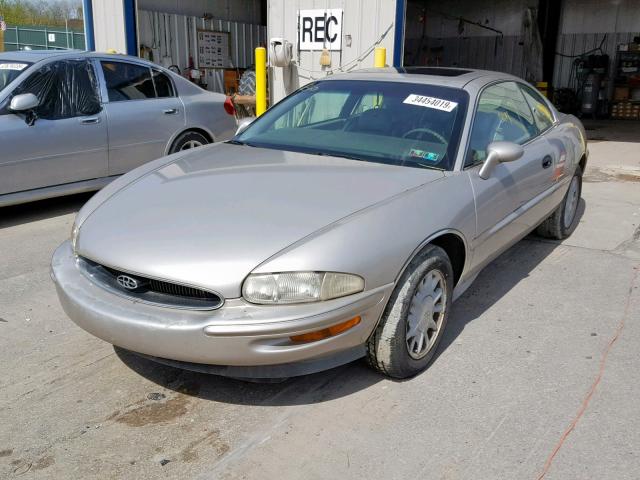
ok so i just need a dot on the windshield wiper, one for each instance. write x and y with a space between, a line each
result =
424 165
339 155
239 142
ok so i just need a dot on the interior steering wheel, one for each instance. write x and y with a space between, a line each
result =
436 135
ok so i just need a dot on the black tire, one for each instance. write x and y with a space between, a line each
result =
387 348
556 227
188 140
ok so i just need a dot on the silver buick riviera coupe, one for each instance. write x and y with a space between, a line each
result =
340 224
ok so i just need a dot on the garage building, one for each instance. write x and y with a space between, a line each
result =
586 51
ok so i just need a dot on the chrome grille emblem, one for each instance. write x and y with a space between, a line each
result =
125 281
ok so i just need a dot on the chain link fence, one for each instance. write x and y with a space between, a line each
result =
41 38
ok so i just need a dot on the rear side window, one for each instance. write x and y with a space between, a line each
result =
127 81
164 87
541 112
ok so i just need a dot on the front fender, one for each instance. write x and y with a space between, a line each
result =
378 243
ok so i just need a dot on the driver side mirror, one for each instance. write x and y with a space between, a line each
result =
244 124
24 102
500 152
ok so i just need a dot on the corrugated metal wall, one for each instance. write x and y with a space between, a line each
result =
584 25
502 54
245 11
366 22
173 39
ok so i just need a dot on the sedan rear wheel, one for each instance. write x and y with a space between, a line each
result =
564 219
412 325
187 141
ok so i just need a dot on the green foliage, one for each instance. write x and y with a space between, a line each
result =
40 12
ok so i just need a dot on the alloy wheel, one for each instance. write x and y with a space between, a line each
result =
191 144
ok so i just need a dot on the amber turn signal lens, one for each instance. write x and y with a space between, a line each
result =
326 332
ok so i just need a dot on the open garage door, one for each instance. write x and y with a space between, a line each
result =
210 42
504 36
584 54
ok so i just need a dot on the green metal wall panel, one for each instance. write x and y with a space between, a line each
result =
42 38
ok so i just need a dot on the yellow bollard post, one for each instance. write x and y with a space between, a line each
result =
380 57
261 80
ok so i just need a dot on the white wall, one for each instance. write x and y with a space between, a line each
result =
108 25
364 20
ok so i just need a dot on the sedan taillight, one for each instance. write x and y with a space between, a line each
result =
229 107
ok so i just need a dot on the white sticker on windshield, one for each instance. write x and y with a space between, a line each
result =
431 102
13 66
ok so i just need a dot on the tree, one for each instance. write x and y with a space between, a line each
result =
40 12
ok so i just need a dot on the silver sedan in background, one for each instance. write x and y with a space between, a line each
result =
73 121
340 224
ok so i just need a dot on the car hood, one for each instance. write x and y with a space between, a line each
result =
209 218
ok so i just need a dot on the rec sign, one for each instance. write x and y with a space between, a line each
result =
318 29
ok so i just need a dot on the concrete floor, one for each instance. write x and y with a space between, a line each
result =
523 348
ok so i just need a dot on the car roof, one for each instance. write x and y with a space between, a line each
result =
449 77
34 56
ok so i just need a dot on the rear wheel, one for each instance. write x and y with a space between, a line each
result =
412 325
564 219
187 141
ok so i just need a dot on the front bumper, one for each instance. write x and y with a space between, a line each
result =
239 339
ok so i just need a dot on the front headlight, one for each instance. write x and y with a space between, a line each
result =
299 287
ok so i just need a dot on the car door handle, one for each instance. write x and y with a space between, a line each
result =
547 162
90 121
170 111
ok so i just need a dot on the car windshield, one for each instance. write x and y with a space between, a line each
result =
9 70
396 123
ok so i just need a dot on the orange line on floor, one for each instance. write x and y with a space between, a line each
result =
594 385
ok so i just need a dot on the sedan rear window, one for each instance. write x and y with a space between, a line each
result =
414 125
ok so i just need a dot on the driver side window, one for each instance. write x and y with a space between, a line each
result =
65 89
502 114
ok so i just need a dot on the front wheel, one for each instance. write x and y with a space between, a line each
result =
564 219
187 141
412 325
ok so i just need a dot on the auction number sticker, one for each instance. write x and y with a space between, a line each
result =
13 66
430 102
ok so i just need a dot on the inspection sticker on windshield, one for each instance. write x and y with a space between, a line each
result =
429 156
430 102
13 66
